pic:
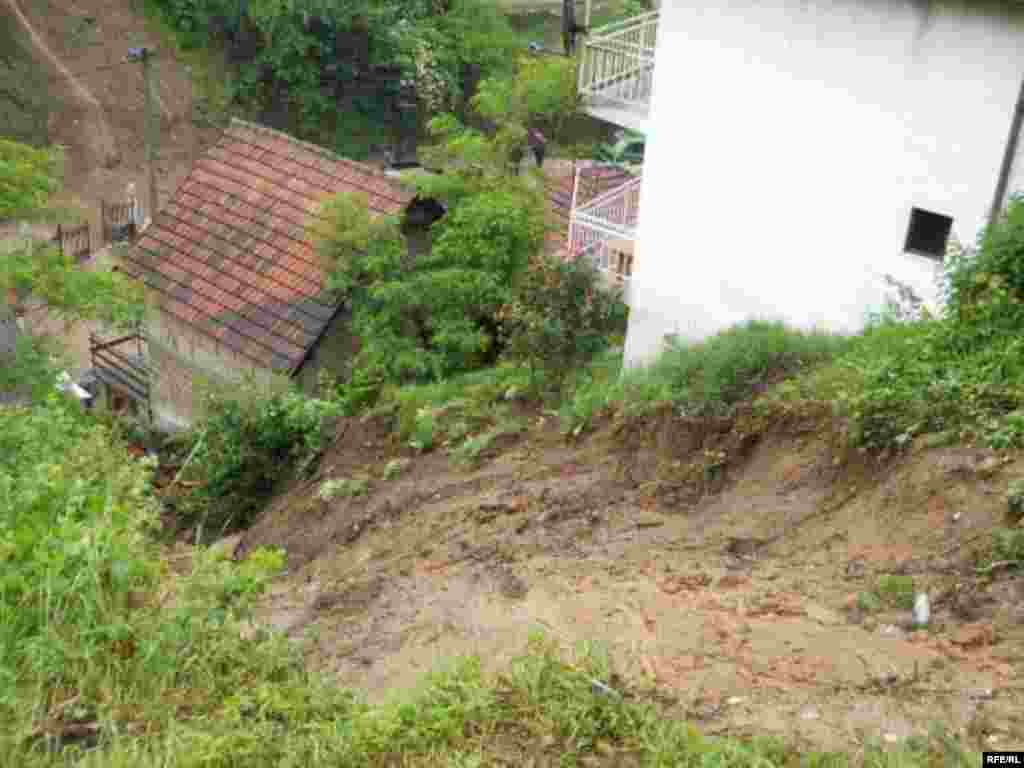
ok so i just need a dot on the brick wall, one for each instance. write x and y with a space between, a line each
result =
189 364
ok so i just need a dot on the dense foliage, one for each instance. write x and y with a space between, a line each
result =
541 91
333 59
246 443
433 314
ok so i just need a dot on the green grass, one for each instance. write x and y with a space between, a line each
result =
347 487
429 414
896 381
469 451
701 379
543 706
896 591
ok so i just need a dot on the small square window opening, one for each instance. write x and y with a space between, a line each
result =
928 233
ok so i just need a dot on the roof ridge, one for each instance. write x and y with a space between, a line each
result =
319 150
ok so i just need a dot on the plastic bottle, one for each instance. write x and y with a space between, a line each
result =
922 609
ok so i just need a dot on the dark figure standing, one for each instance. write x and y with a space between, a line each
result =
515 158
569 27
538 145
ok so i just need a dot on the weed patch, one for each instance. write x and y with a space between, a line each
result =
705 379
1007 550
960 376
470 451
895 591
240 451
344 487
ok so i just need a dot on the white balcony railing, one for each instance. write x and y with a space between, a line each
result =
604 229
617 64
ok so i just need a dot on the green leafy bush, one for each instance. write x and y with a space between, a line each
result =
960 374
562 315
436 315
1015 499
246 444
470 451
1007 546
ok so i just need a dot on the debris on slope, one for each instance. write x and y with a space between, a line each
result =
736 567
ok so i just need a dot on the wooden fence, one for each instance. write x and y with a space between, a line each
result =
116 222
75 241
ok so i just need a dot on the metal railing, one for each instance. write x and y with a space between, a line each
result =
617 62
604 229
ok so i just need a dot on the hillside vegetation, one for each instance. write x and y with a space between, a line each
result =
737 531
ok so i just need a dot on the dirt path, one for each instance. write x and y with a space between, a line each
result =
604 543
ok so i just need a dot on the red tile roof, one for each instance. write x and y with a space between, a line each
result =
595 179
229 254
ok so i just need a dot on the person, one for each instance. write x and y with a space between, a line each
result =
515 158
570 29
538 145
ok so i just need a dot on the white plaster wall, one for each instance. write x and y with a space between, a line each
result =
789 141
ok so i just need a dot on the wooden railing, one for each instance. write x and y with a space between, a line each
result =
74 241
117 223
119 368
617 63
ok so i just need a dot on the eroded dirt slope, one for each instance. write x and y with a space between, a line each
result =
97 97
719 563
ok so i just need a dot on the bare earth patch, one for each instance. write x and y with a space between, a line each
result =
738 607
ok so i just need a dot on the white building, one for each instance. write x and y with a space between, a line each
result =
798 152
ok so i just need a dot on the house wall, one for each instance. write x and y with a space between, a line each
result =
187 361
789 141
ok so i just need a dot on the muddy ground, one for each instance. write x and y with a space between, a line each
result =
718 563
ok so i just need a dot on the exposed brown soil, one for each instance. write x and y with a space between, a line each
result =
717 561
97 98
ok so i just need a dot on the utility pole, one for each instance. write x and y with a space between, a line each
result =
146 56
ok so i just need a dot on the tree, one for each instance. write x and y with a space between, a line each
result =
357 249
436 315
541 90
561 316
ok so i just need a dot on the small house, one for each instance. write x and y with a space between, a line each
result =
235 287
